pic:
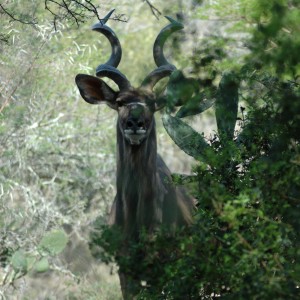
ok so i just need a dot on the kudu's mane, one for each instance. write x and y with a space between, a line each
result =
137 183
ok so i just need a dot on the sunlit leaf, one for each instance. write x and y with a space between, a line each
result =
53 242
187 139
191 110
42 265
19 261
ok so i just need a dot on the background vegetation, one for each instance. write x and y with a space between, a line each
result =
58 154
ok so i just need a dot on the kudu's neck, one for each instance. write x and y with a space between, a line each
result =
137 182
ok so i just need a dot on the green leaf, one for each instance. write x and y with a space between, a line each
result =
31 259
180 89
42 265
187 139
227 105
53 242
190 109
19 261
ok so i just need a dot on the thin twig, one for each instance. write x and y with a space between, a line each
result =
93 8
10 97
78 13
15 18
154 10
120 18
4 38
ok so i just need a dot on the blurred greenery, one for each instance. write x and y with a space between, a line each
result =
57 166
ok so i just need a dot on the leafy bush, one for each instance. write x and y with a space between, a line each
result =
244 243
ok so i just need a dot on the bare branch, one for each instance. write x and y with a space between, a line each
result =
4 38
75 10
155 11
9 98
120 18
54 15
90 7
14 18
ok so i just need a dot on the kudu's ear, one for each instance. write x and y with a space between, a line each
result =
95 91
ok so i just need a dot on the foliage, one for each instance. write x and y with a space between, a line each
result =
51 244
48 177
245 240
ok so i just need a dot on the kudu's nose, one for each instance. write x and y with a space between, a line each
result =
135 124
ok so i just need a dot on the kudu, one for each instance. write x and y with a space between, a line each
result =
146 197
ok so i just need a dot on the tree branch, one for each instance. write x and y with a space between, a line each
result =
10 96
154 10
77 11
14 18
4 38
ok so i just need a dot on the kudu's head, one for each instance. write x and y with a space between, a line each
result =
135 106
